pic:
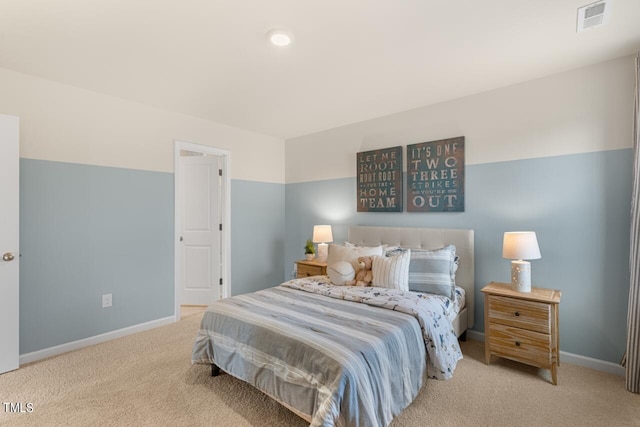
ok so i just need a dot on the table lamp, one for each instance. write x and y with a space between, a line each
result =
321 235
520 246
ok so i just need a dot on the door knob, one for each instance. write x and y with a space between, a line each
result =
8 256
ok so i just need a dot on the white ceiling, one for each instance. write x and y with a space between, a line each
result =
352 60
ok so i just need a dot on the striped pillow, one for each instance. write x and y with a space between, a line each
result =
392 272
433 271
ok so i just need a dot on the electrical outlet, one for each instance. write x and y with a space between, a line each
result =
107 300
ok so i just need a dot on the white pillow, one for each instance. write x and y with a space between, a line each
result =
385 247
339 253
392 272
340 273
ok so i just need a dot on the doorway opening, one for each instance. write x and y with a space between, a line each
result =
202 225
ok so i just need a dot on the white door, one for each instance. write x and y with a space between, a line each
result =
9 237
200 183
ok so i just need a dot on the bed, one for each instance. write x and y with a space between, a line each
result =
343 355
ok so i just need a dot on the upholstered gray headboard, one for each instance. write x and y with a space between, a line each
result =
427 238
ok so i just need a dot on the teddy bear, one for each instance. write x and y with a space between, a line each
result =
364 276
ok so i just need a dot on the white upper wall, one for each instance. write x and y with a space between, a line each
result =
584 110
67 124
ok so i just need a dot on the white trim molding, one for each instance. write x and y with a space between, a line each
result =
574 359
96 339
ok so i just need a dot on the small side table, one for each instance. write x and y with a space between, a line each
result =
311 268
522 326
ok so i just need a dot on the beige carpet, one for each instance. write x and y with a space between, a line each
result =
147 380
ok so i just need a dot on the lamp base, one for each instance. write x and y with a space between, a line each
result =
323 252
521 276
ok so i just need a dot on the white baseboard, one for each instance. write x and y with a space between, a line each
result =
97 339
574 359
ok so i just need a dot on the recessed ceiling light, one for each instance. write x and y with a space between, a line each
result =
280 37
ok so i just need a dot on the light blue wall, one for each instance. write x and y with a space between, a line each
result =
86 231
577 204
257 232
89 230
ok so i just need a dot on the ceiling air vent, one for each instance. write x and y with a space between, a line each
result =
593 15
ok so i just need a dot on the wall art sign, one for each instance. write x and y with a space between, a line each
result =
435 176
379 176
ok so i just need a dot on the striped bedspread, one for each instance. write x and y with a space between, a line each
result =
344 356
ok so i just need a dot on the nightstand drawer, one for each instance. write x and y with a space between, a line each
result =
309 270
532 348
530 315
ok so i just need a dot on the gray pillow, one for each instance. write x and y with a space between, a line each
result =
433 271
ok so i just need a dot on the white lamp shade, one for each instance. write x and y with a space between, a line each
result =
520 245
322 234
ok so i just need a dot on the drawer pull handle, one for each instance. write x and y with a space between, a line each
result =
517 343
517 313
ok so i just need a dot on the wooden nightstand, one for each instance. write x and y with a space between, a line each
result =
522 326
311 268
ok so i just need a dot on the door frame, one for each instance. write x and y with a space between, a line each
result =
10 243
225 217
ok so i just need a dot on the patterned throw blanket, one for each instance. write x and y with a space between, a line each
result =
431 312
310 345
